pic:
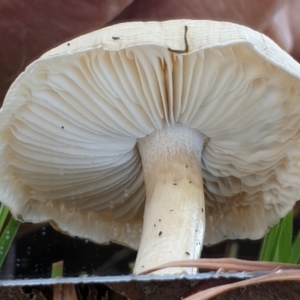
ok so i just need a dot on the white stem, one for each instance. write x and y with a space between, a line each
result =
174 218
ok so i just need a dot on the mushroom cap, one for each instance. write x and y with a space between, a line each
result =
70 123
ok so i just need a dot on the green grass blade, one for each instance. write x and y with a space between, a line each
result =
284 242
295 251
3 214
57 269
7 237
277 243
268 249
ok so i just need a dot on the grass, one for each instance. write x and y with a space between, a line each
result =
8 229
279 245
57 269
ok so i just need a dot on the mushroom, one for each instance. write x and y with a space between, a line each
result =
135 132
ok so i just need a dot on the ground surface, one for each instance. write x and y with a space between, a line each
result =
156 291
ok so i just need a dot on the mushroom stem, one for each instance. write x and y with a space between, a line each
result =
174 217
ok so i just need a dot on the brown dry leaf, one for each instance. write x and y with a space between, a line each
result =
29 30
287 275
255 13
226 264
284 272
